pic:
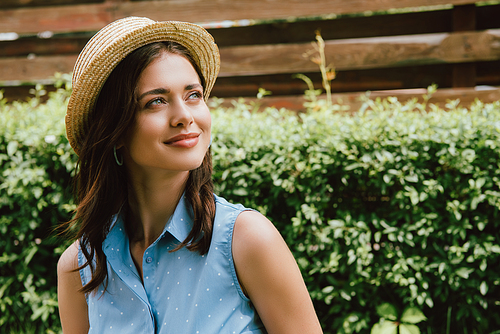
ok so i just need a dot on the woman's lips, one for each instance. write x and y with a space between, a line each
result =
184 141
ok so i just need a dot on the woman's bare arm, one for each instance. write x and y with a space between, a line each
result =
72 303
271 278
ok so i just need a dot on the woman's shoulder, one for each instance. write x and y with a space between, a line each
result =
235 221
254 232
68 262
270 277
247 221
72 303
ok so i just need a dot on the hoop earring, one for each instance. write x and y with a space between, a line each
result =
118 162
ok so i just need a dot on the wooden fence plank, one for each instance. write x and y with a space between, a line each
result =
57 19
18 70
41 3
92 17
363 53
488 73
346 81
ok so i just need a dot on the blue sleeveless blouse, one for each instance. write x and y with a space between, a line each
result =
183 291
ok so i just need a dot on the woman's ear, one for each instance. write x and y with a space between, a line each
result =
121 142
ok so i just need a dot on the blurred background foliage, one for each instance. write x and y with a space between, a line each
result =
36 165
391 211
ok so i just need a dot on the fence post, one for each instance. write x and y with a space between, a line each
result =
464 19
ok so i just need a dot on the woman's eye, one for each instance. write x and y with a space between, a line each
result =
155 102
195 95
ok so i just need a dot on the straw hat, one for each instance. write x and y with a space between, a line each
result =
112 44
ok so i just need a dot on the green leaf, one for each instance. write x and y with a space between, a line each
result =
442 267
464 272
38 313
411 178
327 289
413 315
240 192
408 329
352 166
483 288
5 285
12 148
37 192
480 182
30 255
469 154
387 311
386 327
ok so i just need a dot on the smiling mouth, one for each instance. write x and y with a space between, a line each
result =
187 140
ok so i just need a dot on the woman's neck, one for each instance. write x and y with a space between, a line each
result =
151 203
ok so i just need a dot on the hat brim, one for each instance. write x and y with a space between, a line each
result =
112 44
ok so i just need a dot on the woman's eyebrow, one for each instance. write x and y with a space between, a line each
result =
159 91
193 86
156 91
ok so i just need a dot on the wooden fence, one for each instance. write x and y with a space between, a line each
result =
390 47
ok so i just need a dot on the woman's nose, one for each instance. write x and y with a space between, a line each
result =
180 114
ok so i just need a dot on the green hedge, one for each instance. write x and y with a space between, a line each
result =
36 163
388 205
390 211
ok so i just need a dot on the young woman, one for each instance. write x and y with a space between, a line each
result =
156 251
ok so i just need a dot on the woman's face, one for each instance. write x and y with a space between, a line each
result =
172 125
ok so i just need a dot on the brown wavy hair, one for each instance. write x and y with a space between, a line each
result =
101 185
